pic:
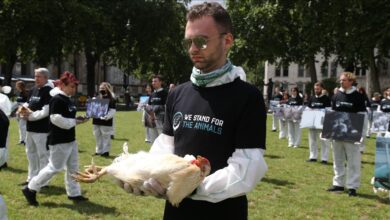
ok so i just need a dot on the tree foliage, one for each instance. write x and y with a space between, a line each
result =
46 31
356 31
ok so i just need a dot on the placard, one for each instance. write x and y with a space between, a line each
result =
97 108
343 126
313 118
380 122
382 163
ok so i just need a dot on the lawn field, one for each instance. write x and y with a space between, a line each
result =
291 189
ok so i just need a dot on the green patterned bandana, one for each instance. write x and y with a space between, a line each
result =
202 79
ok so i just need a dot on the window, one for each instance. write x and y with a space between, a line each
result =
301 70
324 69
333 69
285 69
277 70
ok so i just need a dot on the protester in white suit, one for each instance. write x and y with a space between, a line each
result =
318 101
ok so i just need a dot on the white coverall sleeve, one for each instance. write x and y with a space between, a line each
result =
62 122
39 114
110 114
245 169
162 145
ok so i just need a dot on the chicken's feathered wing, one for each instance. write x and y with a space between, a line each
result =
179 176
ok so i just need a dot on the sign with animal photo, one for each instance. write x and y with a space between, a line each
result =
312 118
380 122
97 108
293 113
343 126
273 104
382 164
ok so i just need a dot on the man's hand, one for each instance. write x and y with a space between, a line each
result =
150 187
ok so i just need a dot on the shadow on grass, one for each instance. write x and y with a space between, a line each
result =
368 162
14 170
273 156
120 139
86 207
53 190
277 182
374 197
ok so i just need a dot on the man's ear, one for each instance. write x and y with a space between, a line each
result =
229 40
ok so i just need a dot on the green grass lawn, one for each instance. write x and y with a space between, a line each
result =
291 189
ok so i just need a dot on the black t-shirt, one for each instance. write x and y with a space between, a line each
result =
214 121
38 98
375 104
319 102
4 124
61 104
385 105
98 121
295 101
22 98
157 100
277 97
353 102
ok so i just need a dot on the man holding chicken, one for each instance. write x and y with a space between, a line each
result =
215 115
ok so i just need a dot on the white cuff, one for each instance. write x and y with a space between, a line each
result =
245 169
39 114
62 122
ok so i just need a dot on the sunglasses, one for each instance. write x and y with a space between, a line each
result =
200 42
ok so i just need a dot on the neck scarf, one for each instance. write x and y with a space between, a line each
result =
204 79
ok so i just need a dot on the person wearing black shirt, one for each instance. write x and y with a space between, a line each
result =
21 99
277 96
347 99
61 141
218 116
103 127
385 107
318 101
156 107
37 123
4 125
294 131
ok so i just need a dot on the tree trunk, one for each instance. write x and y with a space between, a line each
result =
9 65
372 78
91 62
311 69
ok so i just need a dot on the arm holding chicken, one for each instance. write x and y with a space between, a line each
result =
245 169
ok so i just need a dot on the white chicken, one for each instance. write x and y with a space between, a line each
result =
180 176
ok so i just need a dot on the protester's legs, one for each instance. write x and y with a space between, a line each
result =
32 156
282 129
325 145
106 131
40 140
99 139
59 154
274 122
72 166
22 130
353 165
291 133
297 134
339 163
313 148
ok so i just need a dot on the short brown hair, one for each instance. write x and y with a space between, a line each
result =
216 11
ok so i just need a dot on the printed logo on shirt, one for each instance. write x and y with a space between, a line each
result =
317 104
34 99
386 107
344 104
198 122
